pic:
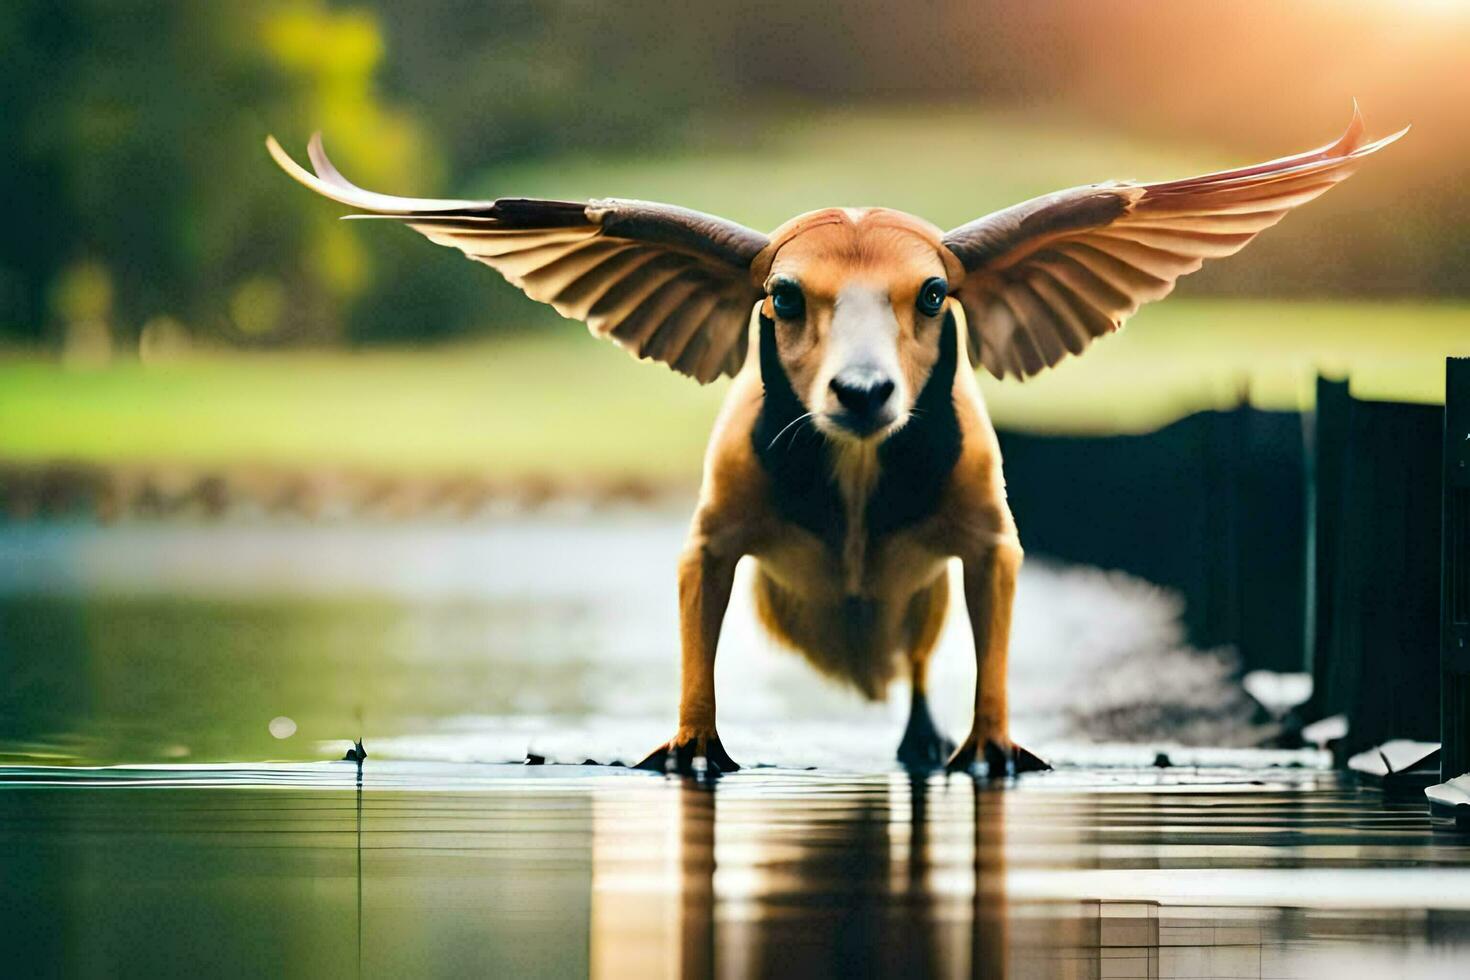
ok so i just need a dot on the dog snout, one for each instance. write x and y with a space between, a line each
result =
863 393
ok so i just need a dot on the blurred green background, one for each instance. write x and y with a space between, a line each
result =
168 296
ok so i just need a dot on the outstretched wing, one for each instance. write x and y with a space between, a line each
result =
1046 277
663 282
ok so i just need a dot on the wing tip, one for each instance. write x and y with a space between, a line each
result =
1351 144
1383 141
347 195
316 151
329 182
288 163
1351 138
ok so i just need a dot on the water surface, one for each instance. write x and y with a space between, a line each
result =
555 634
452 648
454 870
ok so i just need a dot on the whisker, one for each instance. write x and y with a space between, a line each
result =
806 424
788 425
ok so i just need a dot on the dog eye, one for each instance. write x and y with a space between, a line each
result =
931 296
787 301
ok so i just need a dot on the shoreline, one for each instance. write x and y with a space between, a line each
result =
109 493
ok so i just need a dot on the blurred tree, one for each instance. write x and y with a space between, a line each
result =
132 131
534 78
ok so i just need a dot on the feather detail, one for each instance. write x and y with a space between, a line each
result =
1043 278
663 282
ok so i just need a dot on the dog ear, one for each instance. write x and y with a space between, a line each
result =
665 283
1044 278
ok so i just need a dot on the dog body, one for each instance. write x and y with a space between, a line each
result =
852 535
853 458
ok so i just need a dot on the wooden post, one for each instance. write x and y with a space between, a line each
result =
1455 574
1328 450
1378 577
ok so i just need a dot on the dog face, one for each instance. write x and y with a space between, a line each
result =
858 298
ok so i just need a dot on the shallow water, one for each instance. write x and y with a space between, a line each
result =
450 869
557 635
453 648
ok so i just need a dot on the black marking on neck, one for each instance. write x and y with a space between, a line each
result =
794 453
912 463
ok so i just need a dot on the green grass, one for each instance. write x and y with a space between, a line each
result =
555 402
561 404
1183 355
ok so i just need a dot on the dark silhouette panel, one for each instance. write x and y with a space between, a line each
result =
1455 573
1378 502
1212 506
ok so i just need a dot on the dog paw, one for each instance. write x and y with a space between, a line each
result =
1001 758
921 753
679 753
924 747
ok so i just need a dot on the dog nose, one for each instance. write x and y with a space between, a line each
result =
862 391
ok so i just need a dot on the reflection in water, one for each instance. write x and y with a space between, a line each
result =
153 644
359 865
800 876
567 871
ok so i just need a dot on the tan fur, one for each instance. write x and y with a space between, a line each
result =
878 605
856 470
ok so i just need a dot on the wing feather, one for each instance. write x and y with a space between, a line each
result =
1069 325
679 329
582 294
1183 244
722 343
636 331
1035 321
1044 278
1095 322
663 282
634 287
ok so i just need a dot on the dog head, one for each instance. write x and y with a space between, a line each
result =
858 300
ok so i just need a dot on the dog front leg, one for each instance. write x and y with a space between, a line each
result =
990 590
705 581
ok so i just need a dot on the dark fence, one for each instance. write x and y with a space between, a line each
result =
1307 542
1375 656
1212 506
1455 583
